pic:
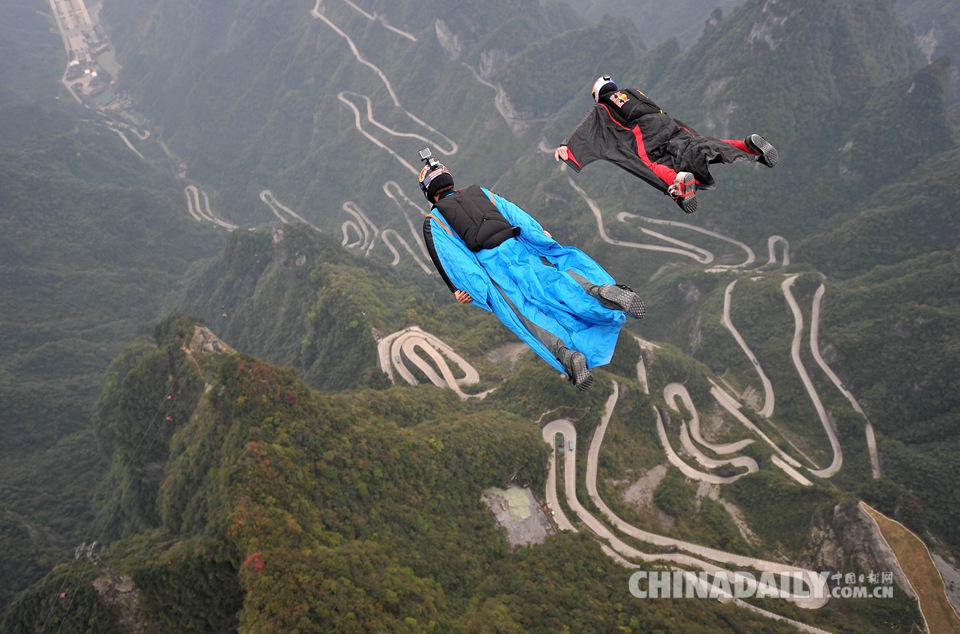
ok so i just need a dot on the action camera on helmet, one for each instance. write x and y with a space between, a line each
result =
428 159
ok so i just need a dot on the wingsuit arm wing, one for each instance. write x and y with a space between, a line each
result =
600 137
515 215
582 146
432 250
455 263
565 258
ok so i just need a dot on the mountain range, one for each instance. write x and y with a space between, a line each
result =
254 183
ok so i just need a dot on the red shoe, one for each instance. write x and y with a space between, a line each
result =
684 191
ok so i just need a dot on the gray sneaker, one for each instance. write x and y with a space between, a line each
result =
624 298
579 374
768 154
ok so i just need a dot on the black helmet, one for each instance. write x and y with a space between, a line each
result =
434 177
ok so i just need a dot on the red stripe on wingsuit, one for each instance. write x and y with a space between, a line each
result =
571 157
663 172
740 145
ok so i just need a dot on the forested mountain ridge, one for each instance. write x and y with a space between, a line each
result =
90 250
240 498
266 103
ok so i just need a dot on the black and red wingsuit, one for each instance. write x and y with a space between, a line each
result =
628 129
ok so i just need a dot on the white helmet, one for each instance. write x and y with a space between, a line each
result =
600 84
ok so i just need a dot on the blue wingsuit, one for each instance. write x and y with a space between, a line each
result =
529 271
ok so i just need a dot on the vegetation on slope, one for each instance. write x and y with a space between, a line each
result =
279 509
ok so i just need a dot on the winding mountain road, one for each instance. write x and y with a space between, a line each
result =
768 396
376 17
281 211
688 250
750 256
440 142
677 391
394 349
363 225
396 193
815 350
837 462
198 206
687 554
